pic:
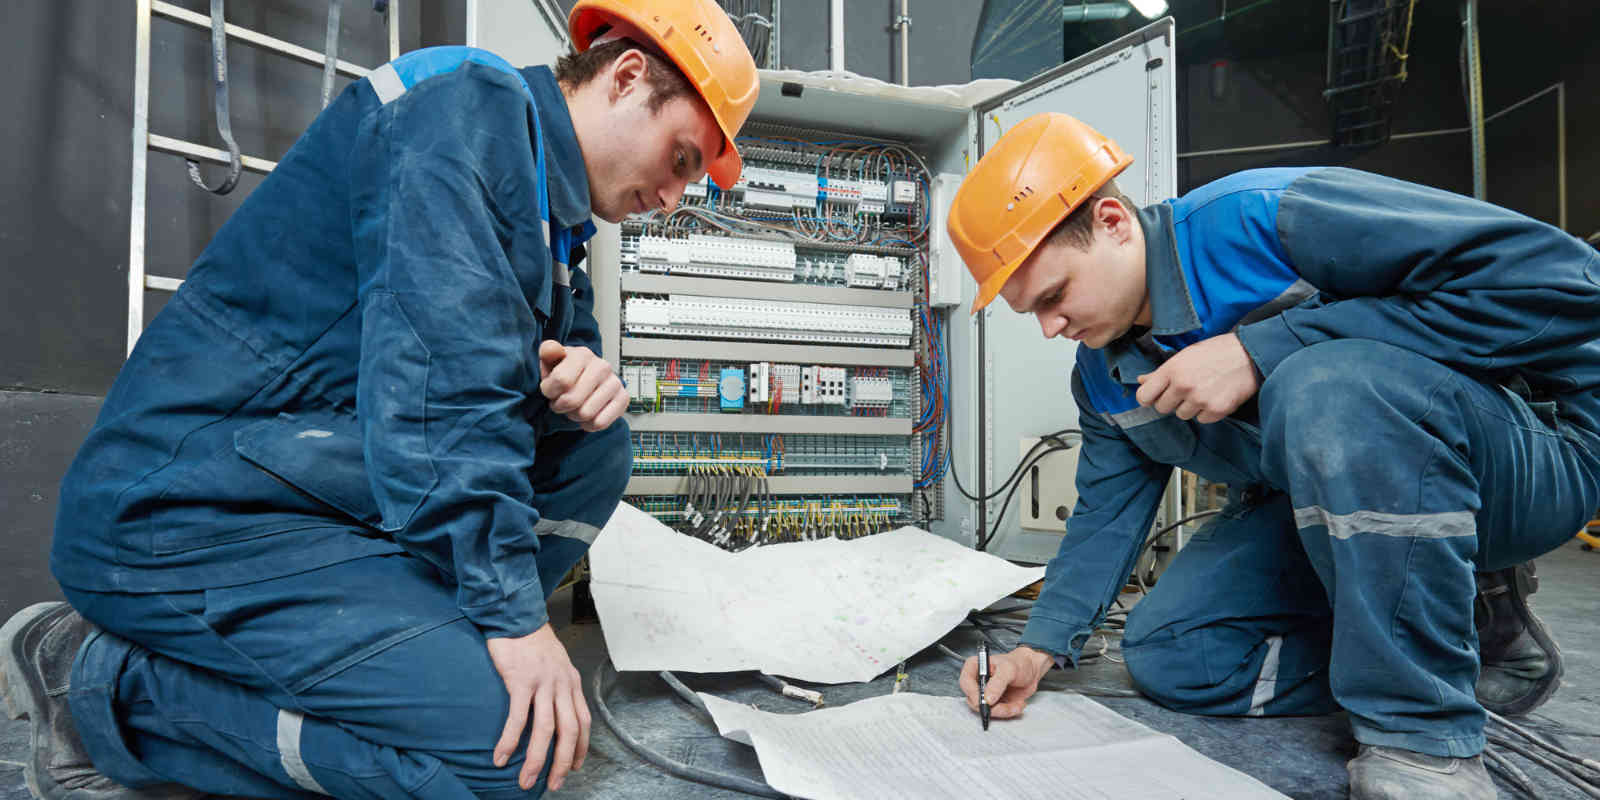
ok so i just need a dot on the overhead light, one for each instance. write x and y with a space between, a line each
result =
1149 8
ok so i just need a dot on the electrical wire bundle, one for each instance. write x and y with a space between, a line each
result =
754 21
710 512
1051 442
832 221
934 366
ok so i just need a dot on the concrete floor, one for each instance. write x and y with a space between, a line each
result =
1302 757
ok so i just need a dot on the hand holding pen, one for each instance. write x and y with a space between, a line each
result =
1013 676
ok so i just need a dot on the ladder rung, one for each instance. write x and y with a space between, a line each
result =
200 152
162 284
251 37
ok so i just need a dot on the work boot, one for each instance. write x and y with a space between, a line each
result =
1389 773
1521 662
37 646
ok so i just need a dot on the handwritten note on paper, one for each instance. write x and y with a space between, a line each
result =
922 747
828 611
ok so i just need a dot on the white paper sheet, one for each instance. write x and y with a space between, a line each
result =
828 611
922 747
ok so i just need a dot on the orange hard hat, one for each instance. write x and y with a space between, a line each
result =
701 39
1021 189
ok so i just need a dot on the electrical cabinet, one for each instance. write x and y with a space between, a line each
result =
804 337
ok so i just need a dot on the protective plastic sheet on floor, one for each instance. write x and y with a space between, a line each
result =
1063 747
829 611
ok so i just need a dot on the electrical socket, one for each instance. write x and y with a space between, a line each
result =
1049 488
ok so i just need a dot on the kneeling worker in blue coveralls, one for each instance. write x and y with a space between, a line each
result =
316 524
1397 383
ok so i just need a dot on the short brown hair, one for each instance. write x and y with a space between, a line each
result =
664 78
1078 228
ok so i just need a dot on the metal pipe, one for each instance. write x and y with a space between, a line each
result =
836 35
903 22
331 50
1260 148
1559 88
983 432
393 15
1090 12
1469 30
774 52
254 38
472 23
1561 154
141 154
200 152
1333 26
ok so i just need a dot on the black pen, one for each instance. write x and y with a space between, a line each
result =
983 683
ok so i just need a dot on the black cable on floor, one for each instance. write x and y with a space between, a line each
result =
1511 772
1584 762
683 691
1561 772
600 687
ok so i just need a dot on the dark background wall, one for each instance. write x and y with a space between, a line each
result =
65 151
1269 65
65 162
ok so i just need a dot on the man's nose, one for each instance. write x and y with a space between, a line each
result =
1052 325
670 195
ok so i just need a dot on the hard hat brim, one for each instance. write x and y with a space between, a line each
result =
990 288
725 168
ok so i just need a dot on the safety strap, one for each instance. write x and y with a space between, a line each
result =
219 71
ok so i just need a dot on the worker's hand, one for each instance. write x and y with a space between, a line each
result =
1206 381
538 675
1013 678
581 385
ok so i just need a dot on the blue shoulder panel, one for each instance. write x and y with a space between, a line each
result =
1227 240
419 65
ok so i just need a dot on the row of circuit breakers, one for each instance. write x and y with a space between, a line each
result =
764 381
754 259
783 190
733 318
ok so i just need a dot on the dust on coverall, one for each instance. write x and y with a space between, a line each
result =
1428 409
326 472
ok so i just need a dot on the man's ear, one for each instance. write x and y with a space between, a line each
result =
627 74
1116 218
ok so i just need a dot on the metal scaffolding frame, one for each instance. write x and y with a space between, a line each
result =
144 141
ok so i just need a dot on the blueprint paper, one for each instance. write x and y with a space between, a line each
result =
923 747
828 611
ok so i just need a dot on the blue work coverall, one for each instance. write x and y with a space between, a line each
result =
1428 408
327 473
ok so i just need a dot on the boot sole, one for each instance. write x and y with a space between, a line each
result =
20 696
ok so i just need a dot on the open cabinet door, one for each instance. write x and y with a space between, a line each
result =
1127 91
